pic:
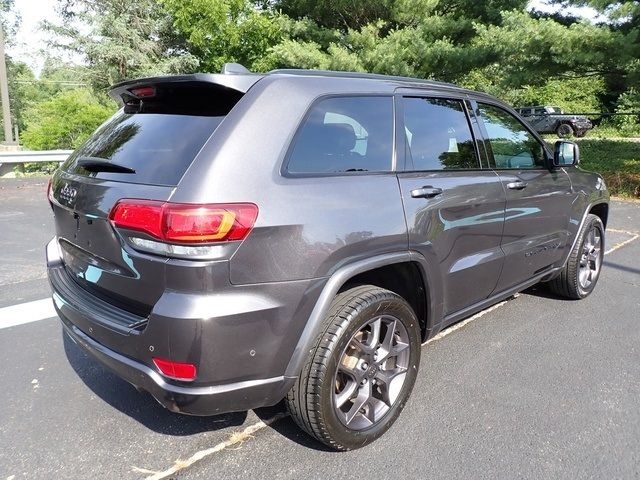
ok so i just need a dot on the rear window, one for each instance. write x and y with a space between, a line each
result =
157 138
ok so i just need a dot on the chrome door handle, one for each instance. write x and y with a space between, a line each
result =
426 192
518 185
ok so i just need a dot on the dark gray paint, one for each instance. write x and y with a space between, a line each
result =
459 229
252 311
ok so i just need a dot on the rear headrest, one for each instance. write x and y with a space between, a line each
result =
338 138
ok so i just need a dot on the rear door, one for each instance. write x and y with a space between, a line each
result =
454 208
141 152
538 200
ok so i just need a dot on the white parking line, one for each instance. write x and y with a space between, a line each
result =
634 236
459 325
26 313
235 438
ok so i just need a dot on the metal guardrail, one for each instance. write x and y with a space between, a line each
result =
8 160
31 157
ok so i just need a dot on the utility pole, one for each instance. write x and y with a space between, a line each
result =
4 94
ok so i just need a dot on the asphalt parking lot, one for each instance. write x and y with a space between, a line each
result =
537 387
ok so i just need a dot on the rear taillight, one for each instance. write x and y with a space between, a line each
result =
186 224
49 191
185 372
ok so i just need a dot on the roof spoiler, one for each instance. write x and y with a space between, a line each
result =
235 78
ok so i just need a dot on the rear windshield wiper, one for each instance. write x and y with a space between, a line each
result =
95 164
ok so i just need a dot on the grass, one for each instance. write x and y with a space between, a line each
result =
618 161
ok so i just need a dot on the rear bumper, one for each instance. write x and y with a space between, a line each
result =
182 399
241 352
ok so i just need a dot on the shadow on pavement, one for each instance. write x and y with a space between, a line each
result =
144 409
542 291
141 406
288 428
624 268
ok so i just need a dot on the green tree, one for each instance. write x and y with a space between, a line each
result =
9 19
623 20
339 14
64 121
219 31
425 38
121 39
22 88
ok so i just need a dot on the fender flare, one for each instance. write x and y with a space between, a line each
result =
333 285
580 225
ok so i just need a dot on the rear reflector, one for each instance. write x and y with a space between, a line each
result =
186 223
178 371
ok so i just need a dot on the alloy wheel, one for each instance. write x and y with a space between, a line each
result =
591 258
371 372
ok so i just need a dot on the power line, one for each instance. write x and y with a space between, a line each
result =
60 82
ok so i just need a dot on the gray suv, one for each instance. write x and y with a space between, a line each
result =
228 241
554 120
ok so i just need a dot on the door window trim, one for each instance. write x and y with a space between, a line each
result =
284 165
485 134
407 163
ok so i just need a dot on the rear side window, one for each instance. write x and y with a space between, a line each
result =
345 134
156 139
438 135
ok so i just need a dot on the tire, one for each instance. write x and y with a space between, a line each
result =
564 130
587 254
330 388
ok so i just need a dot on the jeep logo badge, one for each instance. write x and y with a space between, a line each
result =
68 194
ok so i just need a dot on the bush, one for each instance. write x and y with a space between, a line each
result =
573 95
618 161
612 129
63 121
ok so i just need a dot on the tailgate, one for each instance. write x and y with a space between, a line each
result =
94 254
142 152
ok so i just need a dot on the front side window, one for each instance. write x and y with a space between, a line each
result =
513 146
345 134
438 135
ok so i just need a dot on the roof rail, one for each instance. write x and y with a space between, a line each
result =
372 76
234 69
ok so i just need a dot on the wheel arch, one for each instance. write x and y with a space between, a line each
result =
409 266
403 278
601 210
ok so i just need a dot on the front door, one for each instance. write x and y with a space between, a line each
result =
454 208
538 200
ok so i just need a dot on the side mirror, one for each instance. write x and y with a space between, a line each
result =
565 154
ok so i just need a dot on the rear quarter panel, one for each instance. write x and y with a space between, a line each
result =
306 227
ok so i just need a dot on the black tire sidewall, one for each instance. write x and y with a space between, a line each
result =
351 439
565 126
